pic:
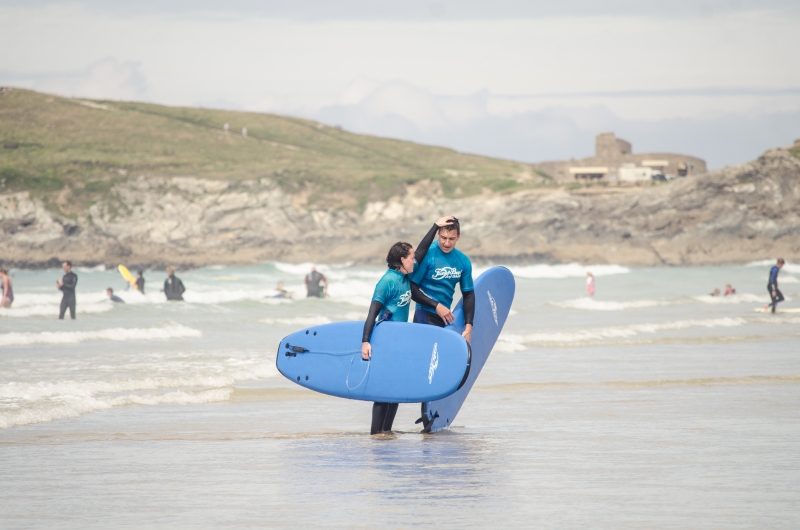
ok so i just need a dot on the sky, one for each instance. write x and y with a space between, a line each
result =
526 80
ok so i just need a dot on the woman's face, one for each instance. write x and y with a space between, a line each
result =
407 262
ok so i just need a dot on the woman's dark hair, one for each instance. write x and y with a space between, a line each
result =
398 251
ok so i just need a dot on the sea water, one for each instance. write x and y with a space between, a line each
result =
652 404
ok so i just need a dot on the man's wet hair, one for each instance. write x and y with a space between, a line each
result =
139 272
68 262
780 261
453 225
109 289
398 251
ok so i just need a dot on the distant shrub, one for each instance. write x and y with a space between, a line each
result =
13 179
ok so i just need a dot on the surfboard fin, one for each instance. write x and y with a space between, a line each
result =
427 423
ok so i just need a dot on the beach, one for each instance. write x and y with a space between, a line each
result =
652 404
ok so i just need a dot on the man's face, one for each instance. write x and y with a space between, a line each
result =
65 267
448 240
780 265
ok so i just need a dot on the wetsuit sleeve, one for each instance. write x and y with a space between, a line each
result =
425 244
374 309
419 296
469 306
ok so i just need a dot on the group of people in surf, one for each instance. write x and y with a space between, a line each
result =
428 275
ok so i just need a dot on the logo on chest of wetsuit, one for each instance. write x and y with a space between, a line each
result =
444 273
434 362
405 298
494 308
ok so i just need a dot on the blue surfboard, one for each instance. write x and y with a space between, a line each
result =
410 363
494 293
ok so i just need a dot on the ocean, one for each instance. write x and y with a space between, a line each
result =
650 405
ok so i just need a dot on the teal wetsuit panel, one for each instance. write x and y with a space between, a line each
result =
439 273
394 292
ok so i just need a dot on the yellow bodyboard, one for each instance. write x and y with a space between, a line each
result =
127 275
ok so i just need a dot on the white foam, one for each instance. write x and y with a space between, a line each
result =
788 279
787 267
314 320
732 299
616 332
172 331
569 270
36 402
591 304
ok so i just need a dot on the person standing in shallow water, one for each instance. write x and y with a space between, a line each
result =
772 286
313 287
7 297
589 284
140 282
67 285
173 286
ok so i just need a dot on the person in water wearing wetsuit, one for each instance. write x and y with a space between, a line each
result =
140 282
114 298
772 286
67 285
7 290
7 293
173 286
313 287
391 300
437 275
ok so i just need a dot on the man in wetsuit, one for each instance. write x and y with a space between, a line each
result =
67 285
313 287
443 267
140 282
772 285
173 286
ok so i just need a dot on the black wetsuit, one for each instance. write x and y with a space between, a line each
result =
68 283
313 287
140 284
115 298
173 288
772 287
383 413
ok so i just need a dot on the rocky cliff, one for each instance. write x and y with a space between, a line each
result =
734 215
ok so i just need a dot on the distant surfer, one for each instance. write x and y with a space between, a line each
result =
114 298
282 293
173 286
313 287
67 285
589 284
8 291
437 276
391 300
772 285
140 282
729 290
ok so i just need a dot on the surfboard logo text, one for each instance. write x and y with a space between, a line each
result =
434 362
494 308
405 298
444 273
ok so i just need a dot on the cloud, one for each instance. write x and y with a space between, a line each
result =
553 132
105 79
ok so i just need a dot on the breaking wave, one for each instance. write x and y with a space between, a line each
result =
173 331
568 270
590 304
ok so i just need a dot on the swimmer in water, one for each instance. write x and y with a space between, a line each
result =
114 298
589 284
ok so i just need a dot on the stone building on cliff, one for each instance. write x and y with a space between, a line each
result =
614 160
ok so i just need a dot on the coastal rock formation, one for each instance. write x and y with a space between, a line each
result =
733 215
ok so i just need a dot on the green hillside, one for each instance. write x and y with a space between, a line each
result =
51 142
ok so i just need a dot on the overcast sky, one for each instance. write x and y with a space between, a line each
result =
527 80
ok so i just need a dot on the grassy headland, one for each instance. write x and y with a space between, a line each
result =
87 146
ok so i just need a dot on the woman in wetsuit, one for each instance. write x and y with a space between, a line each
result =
8 291
391 300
